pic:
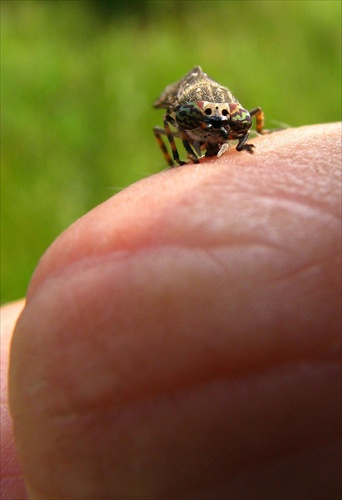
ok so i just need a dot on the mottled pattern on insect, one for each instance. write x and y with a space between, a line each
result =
205 116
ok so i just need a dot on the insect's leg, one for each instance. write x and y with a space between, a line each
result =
243 146
259 117
197 147
191 154
170 137
158 132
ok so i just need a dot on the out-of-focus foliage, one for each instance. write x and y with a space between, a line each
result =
79 77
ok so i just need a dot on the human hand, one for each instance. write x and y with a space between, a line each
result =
181 339
12 484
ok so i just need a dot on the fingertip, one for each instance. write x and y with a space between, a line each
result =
206 273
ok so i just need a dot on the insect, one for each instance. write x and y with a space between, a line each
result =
205 116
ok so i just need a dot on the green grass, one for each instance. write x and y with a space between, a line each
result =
78 79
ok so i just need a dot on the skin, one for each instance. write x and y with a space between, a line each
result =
181 340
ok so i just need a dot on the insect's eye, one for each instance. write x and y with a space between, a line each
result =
225 112
240 119
189 115
208 111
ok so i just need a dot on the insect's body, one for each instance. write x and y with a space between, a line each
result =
205 115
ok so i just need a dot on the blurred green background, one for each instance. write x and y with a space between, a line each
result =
79 77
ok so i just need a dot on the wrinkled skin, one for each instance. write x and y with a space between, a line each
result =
182 339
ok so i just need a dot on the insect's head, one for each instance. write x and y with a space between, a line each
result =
232 115
216 117
219 118
204 115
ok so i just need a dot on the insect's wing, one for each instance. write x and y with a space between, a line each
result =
168 99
